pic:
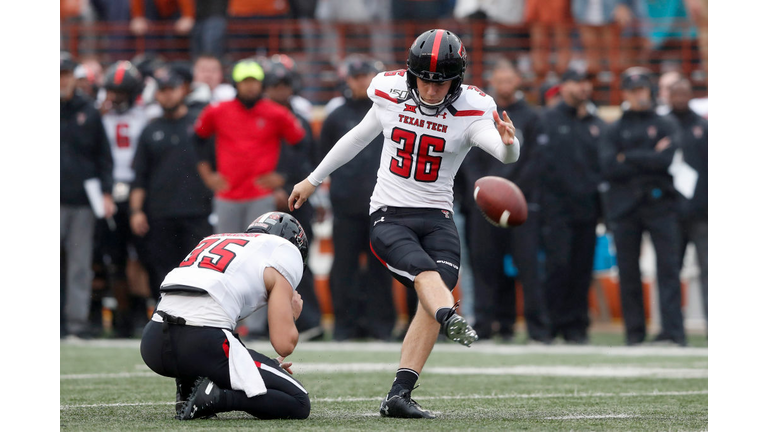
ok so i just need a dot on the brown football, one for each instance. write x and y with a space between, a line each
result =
501 201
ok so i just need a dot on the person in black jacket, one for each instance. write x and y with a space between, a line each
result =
362 296
85 155
169 204
635 154
570 204
494 291
693 212
294 165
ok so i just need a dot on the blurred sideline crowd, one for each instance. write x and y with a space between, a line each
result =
157 154
547 28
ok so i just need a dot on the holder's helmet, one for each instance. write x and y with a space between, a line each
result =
283 225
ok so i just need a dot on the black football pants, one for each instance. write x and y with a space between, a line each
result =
187 352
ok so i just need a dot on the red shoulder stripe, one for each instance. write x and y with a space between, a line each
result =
380 93
468 113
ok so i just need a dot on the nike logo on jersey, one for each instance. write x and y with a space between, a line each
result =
380 220
423 123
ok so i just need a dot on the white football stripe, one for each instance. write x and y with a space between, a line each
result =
477 189
521 370
504 219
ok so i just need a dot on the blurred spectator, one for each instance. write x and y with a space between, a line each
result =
494 291
272 9
123 121
247 133
84 155
635 154
294 165
508 12
169 204
549 94
209 33
112 10
699 15
147 64
570 204
289 71
89 77
361 294
71 10
377 13
550 23
600 23
693 212
699 106
668 24
424 10
145 11
207 69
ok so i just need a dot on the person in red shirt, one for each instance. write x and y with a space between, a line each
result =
246 134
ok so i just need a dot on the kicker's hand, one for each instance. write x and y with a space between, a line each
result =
300 194
505 127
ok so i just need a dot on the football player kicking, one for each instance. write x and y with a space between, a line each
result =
191 335
430 121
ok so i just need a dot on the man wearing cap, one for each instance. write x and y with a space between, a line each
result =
362 295
247 132
169 204
570 204
85 155
635 154
495 294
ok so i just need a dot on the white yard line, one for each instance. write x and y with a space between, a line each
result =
452 397
520 370
483 348
524 370
586 417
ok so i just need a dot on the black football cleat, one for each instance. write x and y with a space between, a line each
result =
402 406
183 392
205 398
456 328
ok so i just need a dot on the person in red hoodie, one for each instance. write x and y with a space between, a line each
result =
245 133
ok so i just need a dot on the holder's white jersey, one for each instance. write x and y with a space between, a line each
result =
422 153
230 267
123 131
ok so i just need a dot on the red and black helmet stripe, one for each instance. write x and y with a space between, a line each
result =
436 50
120 73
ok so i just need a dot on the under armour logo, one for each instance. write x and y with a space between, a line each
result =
410 108
380 220
444 115
446 213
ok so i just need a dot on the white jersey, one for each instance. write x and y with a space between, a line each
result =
421 153
230 267
123 131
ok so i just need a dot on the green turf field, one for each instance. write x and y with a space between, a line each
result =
604 386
